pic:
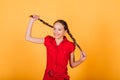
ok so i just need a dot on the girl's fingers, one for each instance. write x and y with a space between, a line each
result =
36 17
83 54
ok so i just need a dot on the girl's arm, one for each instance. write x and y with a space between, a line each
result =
28 36
74 63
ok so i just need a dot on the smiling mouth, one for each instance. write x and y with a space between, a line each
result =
56 34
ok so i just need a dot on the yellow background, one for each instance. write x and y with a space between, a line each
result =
94 23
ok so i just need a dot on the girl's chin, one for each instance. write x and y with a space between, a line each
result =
57 37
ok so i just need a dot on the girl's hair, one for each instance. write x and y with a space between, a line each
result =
65 27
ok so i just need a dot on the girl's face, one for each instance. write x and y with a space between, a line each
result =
58 30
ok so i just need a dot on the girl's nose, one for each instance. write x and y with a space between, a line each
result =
56 31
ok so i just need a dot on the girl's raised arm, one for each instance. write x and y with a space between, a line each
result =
28 36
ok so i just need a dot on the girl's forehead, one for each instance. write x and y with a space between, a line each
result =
58 25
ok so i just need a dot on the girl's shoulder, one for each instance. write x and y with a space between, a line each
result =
70 43
48 37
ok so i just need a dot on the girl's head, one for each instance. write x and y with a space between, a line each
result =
60 28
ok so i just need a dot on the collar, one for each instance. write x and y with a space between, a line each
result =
64 40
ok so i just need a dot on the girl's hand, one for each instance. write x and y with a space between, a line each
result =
83 56
34 18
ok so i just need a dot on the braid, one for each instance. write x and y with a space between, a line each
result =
73 40
44 22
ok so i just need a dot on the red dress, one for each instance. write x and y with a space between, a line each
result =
57 58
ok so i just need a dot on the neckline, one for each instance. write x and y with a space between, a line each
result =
64 39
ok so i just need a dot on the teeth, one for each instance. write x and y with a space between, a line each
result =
56 34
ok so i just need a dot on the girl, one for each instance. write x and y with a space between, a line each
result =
59 50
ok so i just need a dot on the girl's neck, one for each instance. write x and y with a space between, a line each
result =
59 40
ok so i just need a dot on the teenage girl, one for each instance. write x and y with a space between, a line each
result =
59 50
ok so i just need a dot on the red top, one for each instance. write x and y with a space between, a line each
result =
57 56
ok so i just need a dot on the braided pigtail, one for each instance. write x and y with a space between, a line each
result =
74 40
43 22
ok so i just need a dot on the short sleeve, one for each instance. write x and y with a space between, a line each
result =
72 47
47 40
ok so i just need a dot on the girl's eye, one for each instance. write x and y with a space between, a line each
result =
59 29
